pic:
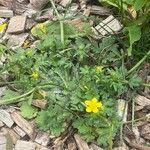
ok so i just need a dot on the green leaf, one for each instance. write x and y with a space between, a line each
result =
138 4
135 81
110 2
8 94
28 111
134 35
129 2
115 3
41 119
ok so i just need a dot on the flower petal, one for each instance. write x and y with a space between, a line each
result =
94 100
88 109
87 102
95 110
99 104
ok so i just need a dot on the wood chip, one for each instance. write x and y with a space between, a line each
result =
136 146
47 15
38 4
42 138
3 142
71 144
58 147
95 147
19 8
6 13
2 20
6 3
30 13
147 89
136 133
1 124
22 1
97 10
40 147
39 103
30 23
142 102
65 2
87 11
83 4
82 145
145 131
16 41
72 10
16 24
109 26
22 123
121 148
19 131
24 145
6 118
14 136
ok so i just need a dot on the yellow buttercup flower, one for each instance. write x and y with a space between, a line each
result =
3 27
99 69
41 26
93 105
35 75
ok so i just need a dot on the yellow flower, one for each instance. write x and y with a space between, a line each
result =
42 27
99 69
35 75
93 105
3 27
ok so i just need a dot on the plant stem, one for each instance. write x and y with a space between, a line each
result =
139 63
61 23
16 99
19 98
64 82
133 109
62 33
54 7
110 138
139 119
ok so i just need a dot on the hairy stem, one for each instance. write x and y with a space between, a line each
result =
135 120
111 137
139 63
61 23
16 99
133 112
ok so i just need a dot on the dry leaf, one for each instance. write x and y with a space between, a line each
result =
132 12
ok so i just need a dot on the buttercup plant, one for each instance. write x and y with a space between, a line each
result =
82 81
